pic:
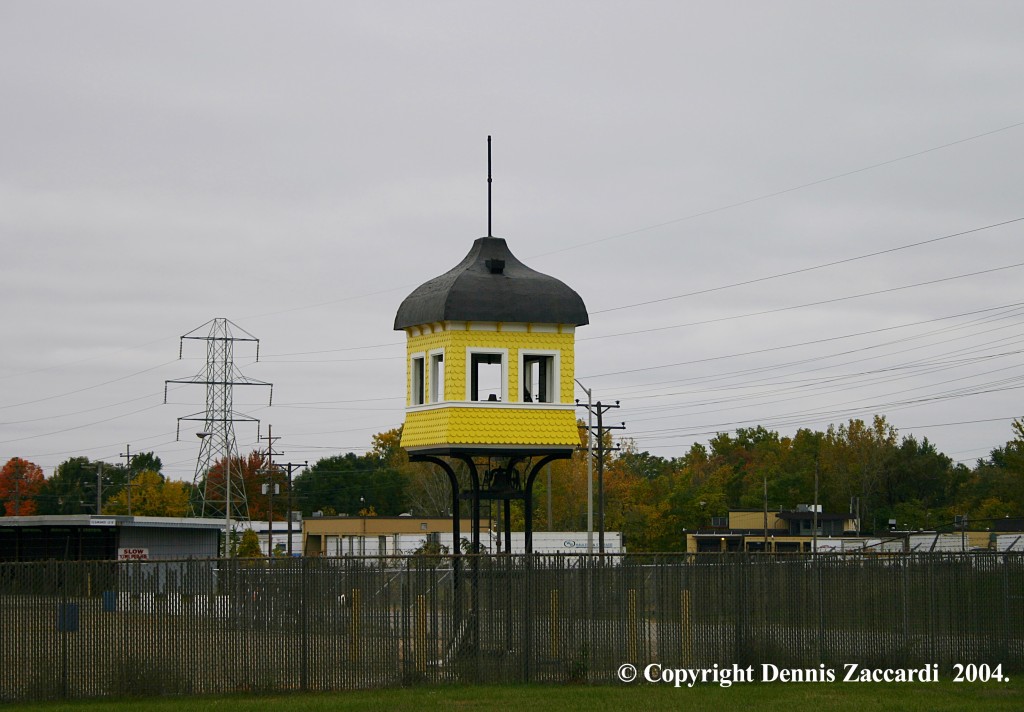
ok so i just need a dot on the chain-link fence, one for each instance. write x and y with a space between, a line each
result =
91 629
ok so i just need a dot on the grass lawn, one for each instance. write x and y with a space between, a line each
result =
855 697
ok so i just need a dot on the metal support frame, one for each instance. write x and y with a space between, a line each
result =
476 492
474 495
220 376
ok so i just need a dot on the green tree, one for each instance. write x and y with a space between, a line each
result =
995 489
71 489
348 483
857 459
249 548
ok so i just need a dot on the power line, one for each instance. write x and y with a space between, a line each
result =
673 221
827 357
777 193
808 304
802 343
87 388
806 269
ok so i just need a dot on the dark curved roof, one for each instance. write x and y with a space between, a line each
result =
490 284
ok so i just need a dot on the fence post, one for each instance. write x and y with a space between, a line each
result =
931 608
906 604
354 625
820 597
685 626
64 628
554 624
527 617
421 634
632 624
735 570
1007 622
304 618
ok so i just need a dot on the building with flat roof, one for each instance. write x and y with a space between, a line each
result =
778 532
377 536
89 537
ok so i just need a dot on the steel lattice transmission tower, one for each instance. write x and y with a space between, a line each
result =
220 376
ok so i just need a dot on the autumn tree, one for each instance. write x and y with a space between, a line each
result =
639 502
20 482
426 489
153 495
857 459
247 473
996 487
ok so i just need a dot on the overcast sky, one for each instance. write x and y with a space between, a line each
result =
300 167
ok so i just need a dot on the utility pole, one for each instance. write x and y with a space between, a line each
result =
127 455
99 488
270 488
814 524
598 410
765 511
290 467
590 464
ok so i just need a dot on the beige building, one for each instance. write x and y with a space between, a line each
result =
780 532
378 536
792 532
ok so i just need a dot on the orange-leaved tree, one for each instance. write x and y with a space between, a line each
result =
20 481
252 473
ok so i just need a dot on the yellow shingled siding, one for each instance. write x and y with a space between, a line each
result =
456 341
489 426
500 424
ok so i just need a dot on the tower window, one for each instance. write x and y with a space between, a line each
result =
486 375
437 377
416 381
539 373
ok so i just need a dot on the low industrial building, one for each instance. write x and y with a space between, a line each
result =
85 537
405 535
378 536
776 532
792 531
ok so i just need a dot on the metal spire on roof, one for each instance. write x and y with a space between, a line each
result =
489 187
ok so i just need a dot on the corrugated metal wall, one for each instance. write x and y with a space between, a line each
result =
171 542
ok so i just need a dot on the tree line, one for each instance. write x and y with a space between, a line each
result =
865 468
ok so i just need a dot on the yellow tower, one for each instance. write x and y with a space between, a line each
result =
490 371
490 357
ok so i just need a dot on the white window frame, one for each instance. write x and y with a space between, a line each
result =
436 389
417 389
470 350
554 376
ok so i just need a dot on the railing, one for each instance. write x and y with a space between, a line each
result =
94 629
